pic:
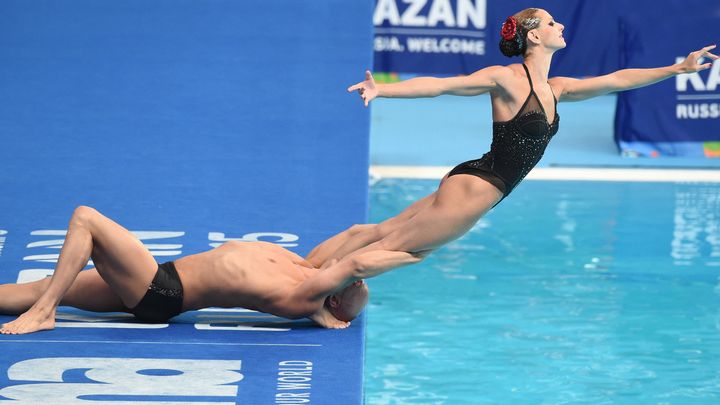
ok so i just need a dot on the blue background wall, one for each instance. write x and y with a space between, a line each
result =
195 118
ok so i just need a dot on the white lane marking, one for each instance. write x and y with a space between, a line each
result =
699 97
575 174
217 309
110 325
139 342
428 31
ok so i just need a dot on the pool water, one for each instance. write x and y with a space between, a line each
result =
567 292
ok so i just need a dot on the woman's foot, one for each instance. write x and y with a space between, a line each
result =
33 320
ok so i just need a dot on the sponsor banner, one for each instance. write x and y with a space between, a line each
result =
460 36
679 116
435 36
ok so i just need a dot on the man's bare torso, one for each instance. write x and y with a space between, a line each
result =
254 275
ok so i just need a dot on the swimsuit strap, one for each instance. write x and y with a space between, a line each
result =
527 72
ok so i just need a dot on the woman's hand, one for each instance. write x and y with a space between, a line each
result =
366 89
692 63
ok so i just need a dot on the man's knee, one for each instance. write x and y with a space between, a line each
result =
83 215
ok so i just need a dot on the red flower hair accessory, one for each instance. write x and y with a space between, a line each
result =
509 29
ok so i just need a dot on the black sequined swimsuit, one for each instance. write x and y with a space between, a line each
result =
517 145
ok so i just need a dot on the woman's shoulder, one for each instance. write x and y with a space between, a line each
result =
505 75
499 73
558 83
496 69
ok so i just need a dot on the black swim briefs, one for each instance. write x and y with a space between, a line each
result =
164 297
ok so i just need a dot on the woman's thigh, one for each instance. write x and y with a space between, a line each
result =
390 224
459 203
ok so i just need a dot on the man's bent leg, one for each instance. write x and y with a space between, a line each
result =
89 292
123 262
18 298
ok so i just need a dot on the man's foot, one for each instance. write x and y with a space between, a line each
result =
31 321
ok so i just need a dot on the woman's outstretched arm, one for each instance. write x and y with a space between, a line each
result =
582 89
480 82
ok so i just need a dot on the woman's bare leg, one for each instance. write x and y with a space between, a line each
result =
460 202
122 261
358 236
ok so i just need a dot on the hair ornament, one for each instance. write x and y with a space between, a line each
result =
509 29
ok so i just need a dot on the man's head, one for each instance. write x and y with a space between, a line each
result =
347 303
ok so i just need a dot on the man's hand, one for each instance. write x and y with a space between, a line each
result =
328 263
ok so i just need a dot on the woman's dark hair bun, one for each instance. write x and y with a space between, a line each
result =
516 46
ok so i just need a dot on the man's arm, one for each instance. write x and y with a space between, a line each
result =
353 268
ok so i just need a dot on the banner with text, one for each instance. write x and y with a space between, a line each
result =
680 116
460 36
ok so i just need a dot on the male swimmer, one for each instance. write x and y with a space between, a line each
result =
254 275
